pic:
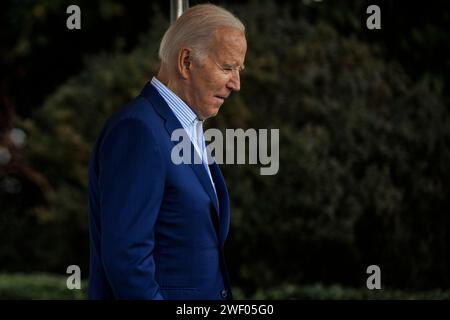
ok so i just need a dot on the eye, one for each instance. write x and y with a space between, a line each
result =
227 69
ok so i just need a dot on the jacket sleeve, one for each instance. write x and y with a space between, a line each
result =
131 183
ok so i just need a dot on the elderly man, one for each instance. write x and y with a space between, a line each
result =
157 228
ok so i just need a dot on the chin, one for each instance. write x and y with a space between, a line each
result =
212 112
215 111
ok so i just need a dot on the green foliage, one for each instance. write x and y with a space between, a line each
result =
38 287
363 152
363 160
53 287
338 292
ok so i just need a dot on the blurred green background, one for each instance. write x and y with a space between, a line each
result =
364 120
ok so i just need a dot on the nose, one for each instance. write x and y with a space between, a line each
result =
234 83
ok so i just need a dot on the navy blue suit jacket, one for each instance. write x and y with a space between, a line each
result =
156 229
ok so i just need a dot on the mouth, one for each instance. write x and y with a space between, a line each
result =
221 98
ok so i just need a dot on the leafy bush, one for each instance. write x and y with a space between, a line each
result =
53 287
338 292
38 287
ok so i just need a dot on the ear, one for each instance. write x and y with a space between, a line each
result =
184 62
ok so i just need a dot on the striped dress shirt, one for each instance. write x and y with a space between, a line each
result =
188 119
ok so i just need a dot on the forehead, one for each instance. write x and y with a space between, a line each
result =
229 43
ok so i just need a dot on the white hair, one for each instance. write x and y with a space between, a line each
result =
194 29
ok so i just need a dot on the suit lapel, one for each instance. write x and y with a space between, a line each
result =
224 200
171 124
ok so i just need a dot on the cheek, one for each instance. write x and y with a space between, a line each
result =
217 83
210 84
212 87
215 78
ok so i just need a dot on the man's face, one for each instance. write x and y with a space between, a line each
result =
213 78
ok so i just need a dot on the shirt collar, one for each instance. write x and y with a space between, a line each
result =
181 110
